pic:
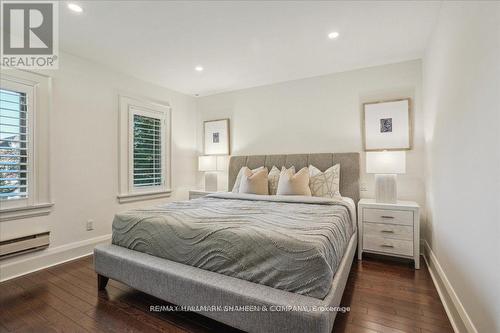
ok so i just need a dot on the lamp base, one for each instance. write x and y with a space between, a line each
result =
211 181
386 190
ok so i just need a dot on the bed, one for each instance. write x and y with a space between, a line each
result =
257 263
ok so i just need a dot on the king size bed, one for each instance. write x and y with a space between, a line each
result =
257 263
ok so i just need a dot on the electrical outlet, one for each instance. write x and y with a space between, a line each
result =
363 187
90 225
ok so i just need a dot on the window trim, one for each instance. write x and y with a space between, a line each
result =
38 201
128 106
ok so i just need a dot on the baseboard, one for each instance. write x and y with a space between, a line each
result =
456 312
33 262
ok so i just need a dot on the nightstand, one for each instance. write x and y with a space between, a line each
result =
195 194
389 229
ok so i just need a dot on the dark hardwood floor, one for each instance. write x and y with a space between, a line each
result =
384 296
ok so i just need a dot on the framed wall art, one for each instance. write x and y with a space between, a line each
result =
387 125
216 137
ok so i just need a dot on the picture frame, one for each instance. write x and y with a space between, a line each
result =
216 137
387 125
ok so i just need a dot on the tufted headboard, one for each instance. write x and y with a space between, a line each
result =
349 167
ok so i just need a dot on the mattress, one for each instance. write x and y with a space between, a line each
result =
291 243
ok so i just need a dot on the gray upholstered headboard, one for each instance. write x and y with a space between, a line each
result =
349 167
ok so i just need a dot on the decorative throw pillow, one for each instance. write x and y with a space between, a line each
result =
273 178
325 184
294 184
254 182
236 186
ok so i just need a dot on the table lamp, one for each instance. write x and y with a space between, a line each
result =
211 164
386 165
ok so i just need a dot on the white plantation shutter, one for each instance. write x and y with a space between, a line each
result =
144 142
14 144
147 151
24 145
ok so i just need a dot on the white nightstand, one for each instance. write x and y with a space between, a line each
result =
389 229
195 194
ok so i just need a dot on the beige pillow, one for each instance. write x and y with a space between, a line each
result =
294 184
236 186
273 178
325 184
254 182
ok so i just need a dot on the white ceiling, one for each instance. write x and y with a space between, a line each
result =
243 44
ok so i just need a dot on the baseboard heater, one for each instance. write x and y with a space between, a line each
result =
16 246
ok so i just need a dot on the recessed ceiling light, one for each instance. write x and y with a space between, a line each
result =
333 35
198 68
74 7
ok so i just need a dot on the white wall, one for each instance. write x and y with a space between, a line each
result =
84 159
320 114
462 107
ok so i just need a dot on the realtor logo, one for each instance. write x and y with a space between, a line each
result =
29 34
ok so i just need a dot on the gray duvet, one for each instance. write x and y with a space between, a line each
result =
289 243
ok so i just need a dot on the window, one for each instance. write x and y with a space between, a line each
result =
147 150
144 147
24 107
14 143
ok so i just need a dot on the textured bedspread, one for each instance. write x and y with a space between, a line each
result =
290 243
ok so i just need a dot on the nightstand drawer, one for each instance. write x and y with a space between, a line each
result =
387 245
403 217
393 231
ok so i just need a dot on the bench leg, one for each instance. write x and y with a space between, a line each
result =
102 281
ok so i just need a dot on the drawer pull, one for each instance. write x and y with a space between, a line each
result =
387 217
387 231
387 245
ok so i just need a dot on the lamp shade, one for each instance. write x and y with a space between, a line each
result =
207 163
212 163
388 162
222 162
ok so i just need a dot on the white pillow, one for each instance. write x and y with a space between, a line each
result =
294 184
237 182
325 184
273 178
254 182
